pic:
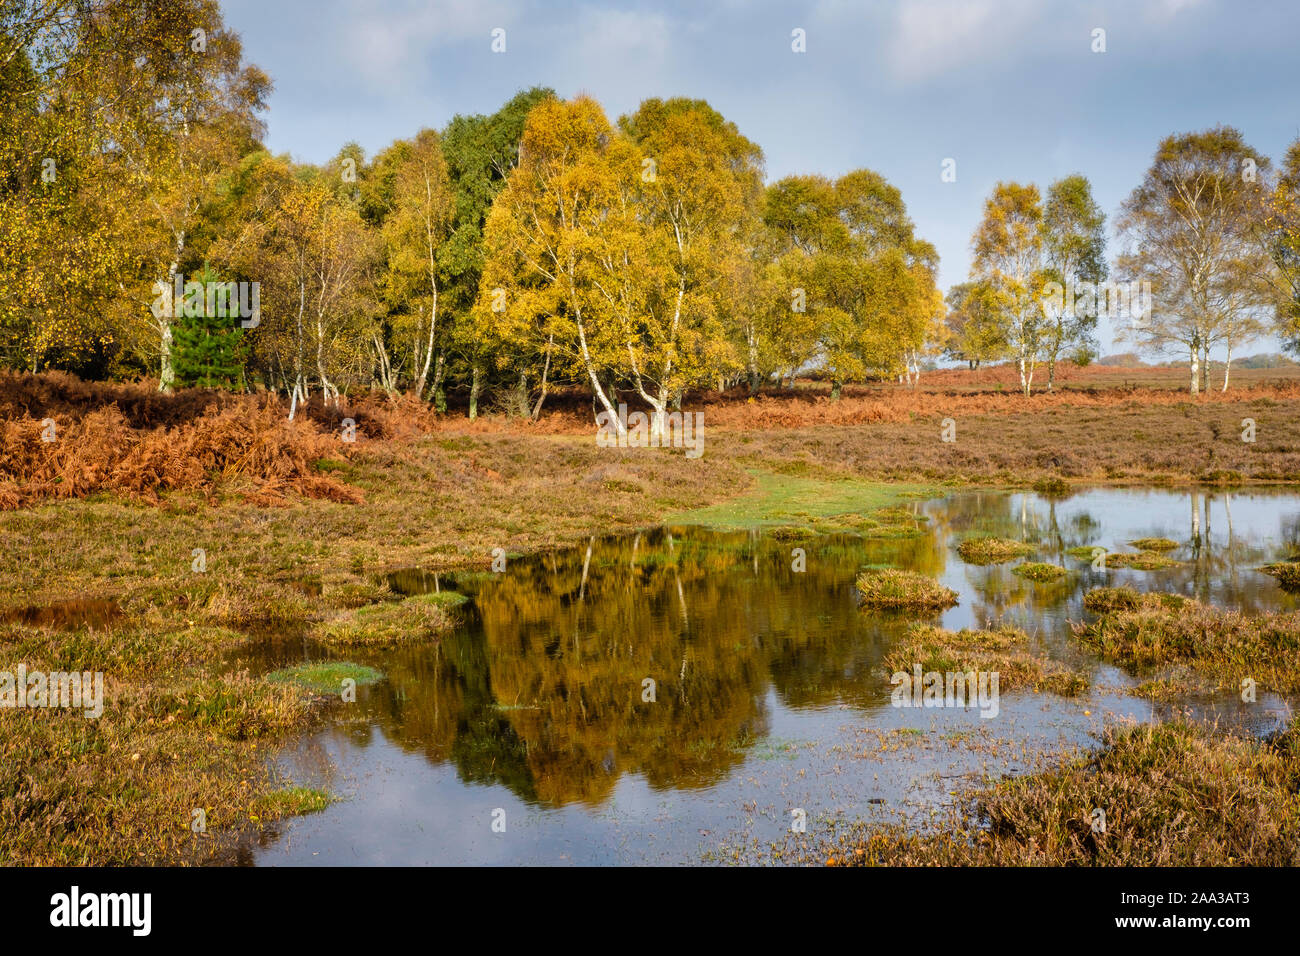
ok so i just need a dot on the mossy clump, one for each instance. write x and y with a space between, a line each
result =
893 588
1052 487
1287 574
293 801
1154 544
393 622
788 532
325 677
992 550
1140 560
1039 571
1102 600
1085 552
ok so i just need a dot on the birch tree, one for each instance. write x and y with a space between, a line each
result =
1188 230
414 230
1074 250
1008 246
550 225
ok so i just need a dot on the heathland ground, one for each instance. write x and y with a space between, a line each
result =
147 535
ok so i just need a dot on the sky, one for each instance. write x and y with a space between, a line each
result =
1009 89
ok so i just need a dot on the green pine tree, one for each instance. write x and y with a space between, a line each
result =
209 350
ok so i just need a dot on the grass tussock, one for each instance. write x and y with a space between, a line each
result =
1084 552
416 618
1286 572
791 533
1154 544
1052 487
1140 560
1008 651
992 550
893 588
1039 571
1172 795
1144 631
325 677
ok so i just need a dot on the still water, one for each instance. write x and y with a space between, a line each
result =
768 690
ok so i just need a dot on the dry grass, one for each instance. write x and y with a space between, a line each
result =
1172 795
416 618
1007 651
174 736
1286 572
893 588
418 489
1147 631
992 550
132 440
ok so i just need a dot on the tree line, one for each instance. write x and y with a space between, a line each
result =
545 245
1210 249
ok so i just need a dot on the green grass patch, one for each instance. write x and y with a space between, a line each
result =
1084 552
1039 571
1140 560
788 532
992 550
776 499
1154 544
325 677
293 801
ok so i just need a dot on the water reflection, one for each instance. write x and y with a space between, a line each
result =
544 690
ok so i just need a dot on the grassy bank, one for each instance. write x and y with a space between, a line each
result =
1170 795
1186 647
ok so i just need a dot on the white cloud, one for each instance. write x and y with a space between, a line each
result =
623 37
1168 9
389 44
932 36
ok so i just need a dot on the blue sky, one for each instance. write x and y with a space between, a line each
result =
1010 89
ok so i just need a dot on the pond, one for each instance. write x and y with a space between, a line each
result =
532 735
